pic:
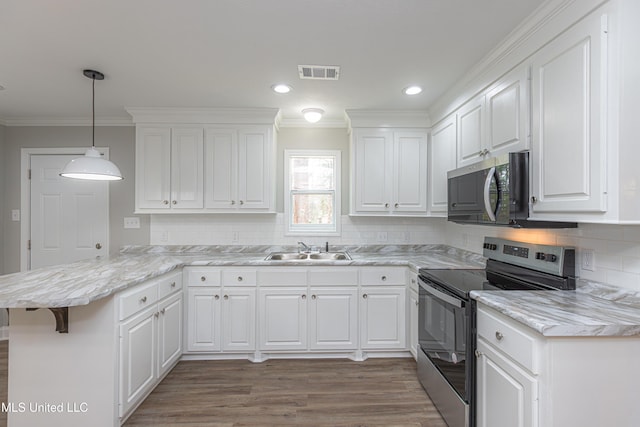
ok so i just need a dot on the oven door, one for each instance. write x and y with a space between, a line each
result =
443 329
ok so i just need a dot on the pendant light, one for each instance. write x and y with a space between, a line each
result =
92 166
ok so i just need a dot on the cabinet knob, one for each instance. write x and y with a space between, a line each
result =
241 202
173 284
203 279
313 297
413 281
383 278
173 202
365 296
477 353
165 202
396 205
416 303
162 311
217 297
386 205
499 335
98 246
156 314
304 296
233 202
240 279
226 297
534 199
143 300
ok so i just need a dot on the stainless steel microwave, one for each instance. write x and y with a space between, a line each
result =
494 192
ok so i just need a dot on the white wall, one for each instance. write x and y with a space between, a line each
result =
121 143
3 205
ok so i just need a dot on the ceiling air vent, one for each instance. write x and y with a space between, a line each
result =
319 72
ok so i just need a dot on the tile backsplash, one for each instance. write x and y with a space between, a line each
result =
616 248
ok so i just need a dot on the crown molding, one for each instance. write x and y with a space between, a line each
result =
388 118
302 123
203 115
65 121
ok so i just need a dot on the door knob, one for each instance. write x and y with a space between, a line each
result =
98 246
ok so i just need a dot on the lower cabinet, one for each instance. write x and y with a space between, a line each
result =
283 318
333 320
382 318
414 301
150 337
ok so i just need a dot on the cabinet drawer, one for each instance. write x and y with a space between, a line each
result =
169 284
239 277
510 339
138 298
282 276
383 276
332 277
202 276
413 281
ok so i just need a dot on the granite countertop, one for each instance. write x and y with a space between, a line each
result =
82 282
593 309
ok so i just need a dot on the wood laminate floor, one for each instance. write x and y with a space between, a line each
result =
327 392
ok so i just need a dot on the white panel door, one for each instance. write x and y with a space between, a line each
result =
413 322
203 324
410 172
153 168
254 169
169 332
221 168
382 318
187 168
373 153
283 318
508 113
471 132
333 318
239 319
69 217
442 160
569 142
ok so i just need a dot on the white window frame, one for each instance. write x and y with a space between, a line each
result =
312 230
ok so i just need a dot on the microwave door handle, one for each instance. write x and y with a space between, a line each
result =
487 199
441 295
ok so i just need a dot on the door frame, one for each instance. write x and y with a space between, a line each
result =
25 194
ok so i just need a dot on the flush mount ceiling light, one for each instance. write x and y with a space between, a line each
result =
281 88
412 90
312 115
92 166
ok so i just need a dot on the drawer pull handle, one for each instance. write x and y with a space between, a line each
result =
173 284
313 297
217 297
174 202
397 205
162 311
413 281
499 335
156 314
365 296
226 297
165 202
239 278
384 278
143 299
304 296
203 279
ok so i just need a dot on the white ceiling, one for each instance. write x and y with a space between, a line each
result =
228 53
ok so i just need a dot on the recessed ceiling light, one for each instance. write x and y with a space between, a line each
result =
281 88
412 90
1 87
312 115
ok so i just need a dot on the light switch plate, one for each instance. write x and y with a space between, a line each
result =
15 215
132 222
588 259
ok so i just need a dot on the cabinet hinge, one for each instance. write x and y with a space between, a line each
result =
28 173
604 24
29 244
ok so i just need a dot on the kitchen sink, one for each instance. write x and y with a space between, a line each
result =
303 256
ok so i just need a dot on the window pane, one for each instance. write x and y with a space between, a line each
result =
312 209
312 173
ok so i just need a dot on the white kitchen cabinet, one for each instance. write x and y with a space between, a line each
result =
382 317
442 159
389 175
239 164
238 319
333 320
150 337
283 318
203 321
412 320
471 134
569 124
169 169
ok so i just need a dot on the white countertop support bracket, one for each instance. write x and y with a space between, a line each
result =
62 318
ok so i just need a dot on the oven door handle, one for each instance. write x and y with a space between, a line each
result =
487 196
441 295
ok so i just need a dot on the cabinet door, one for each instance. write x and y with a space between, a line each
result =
169 332
239 319
442 159
333 320
410 172
508 113
137 358
471 136
203 327
255 168
569 132
283 318
153 168
373 152
382 318
413 322
221 168
187 170
506 395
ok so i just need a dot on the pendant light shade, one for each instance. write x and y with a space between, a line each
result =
92 166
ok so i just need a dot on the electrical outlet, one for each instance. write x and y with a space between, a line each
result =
588 259
382 236
132 222
164 236
15 215
235 236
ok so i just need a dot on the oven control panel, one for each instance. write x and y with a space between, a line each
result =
558 260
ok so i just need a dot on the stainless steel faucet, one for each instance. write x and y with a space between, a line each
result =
305 248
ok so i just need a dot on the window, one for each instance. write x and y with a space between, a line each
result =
312 192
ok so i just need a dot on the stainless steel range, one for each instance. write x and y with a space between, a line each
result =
447 321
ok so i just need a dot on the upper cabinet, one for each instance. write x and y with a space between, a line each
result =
496 121
442 158
205 168
389 171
